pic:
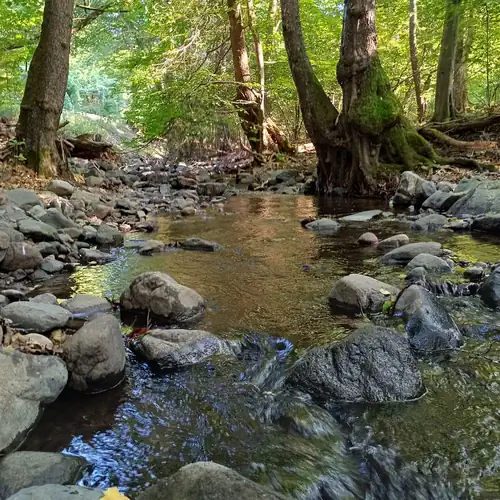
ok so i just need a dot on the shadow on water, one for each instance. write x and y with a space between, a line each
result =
272 276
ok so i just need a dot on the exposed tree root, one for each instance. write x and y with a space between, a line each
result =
435 135
86 148
460 126
467 163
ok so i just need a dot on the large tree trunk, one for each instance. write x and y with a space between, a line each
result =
247 101
43 98
443 105
415 66
371 128
460 89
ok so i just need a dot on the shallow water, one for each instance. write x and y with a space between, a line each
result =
271 282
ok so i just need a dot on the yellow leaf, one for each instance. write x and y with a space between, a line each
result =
383 291
114 494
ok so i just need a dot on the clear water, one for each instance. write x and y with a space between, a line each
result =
270 284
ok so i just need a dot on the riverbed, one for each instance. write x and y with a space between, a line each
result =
269 285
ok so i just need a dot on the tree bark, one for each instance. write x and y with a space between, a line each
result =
415 65
443 105
43 99
464 45
247 101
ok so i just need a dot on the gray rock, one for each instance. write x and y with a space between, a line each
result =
372 365
92 255
466 184
403 255
23 469
151 246
37 212
88 200
490 290
207 481
52 266
86 305
199 244
3 301
396 241
413 190
366 216
101 211
93 181
108 236
12 214
21 256
32 383
430 223
428 325
89 233
4 244
446 187
161 295
37 230
57 220
48 248
441 201
481 199
45 298
356 294
24 198
36 317
57 492
188 211
176 349
14 235
59 187
367 239
487 223
474 273
211 189
323 226
73 232
95 355
430 263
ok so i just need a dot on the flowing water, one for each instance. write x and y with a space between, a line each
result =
269 286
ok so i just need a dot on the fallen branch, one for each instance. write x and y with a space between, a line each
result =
82 147
456 127
435 135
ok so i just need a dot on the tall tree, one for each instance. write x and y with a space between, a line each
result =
415 65
460 95
371 128
43 98
443 105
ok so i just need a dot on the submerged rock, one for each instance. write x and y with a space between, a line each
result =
23 469
95 355
92 255
403 255
32 383
371 365
36 317
86 305
365 216
177 349
151 246
208 481
323 225
356 294
396 241
490 290
199 244
430 223
159 294
57 492
430 263
428 324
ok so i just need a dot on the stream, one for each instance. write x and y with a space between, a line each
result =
269 286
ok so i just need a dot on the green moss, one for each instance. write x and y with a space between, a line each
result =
376 108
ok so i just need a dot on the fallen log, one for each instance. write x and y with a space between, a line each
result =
83 147
457 127
435 135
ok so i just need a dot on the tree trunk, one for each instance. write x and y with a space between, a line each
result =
371 127
415 66
43 99
460 90
443 105
247 101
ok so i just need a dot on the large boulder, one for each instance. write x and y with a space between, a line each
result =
208 481
490 289
159 294
413 190
21 256
86 305
109 236
36 317
29 384
430 263
396 241
487 223
24 198
37 230
57 492
482 198
23 469
176 349
357 294
95 355
59 187
372 365
442 201
428 324
403 255
431 222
